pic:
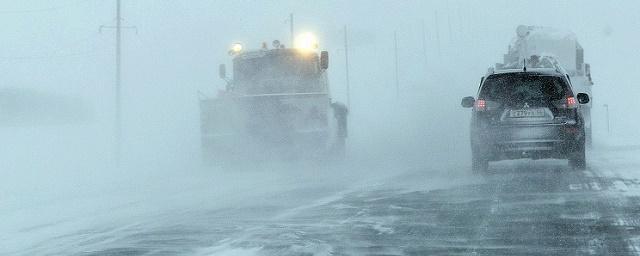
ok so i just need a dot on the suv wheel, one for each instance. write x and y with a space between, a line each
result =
589 137
479 164
578 159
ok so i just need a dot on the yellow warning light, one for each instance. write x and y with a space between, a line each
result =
306 41
236 48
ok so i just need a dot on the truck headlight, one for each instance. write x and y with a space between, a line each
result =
306 41
236 48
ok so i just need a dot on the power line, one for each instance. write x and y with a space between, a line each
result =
50 57
69 49
48 9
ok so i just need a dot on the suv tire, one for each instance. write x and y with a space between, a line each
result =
578 159
479 163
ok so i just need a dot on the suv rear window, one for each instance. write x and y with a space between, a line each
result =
521 86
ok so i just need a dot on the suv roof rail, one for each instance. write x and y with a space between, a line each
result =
541 61
491 71
558 69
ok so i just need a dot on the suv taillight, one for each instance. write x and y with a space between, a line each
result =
568 103
571 102
480 105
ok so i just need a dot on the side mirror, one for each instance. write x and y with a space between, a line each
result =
222 71
583 98
324 60
468 102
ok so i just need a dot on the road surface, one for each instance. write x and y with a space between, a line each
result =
518 208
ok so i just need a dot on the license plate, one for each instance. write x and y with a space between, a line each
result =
535 112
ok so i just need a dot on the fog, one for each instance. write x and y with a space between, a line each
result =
57 161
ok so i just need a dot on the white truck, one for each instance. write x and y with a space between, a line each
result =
560 47
276 105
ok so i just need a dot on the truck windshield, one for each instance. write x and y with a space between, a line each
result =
284 72
519 87
275 67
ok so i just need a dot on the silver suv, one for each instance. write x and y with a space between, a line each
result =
526 114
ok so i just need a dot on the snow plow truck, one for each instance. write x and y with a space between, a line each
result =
276 105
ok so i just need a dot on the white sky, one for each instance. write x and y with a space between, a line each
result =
55 46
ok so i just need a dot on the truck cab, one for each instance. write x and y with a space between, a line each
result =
277 103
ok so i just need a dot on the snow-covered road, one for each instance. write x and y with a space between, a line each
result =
519 208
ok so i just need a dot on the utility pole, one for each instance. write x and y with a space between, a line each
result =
435 15
424 45
291 27
606 107
118 122
395 40
118 81
346 61
461 23
449 27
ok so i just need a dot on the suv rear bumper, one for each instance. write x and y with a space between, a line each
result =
519 141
